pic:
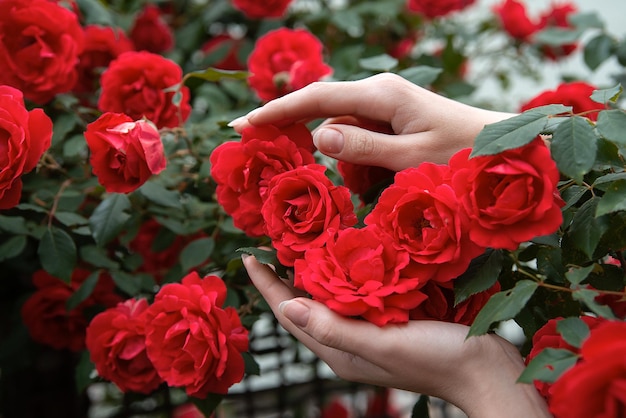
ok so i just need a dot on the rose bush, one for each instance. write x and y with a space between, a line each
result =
126 200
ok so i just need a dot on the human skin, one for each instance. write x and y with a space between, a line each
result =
389 122
477 374
383 120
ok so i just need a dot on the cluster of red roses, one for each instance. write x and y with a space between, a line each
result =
519 25
423 232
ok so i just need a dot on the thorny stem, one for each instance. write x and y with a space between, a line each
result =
57 197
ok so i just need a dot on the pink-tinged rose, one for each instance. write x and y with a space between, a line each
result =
192 341
285 60
437 8
515 21
117 346
40 43
223 51
558 16
576 94
439 305
422 215
360 273
364 180
102 45
254 9
124 154
548 337
594 387
45 312
243 169
510 197
24 137
302 210
140 84
150 32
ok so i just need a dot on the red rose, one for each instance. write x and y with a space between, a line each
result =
224 52
285 60
254 9
360 179
576 94
158 262
360 273
40 43
301 210
192 341
150 32
558 16
515 21
45 312
437 8
102 45
510 197
124 154
25 137
188 410
594 387
135 84
117 346
242 170
422 215
439 305
548 337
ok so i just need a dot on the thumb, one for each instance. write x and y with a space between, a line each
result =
356 145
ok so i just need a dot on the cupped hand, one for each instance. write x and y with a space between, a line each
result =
383 120
477 374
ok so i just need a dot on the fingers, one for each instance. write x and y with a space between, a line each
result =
374 98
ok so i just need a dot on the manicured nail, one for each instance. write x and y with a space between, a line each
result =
237 121
328 141
295 311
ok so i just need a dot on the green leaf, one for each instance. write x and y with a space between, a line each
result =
84 291
612 125
158 194
578 274
613 200
97 257
381 62
420 409
516 131
422 75
70 218
13 224
57 253
574 147
573 330
588 297
608 178
251 365
502 306
555 36
12 247
215 74
572 195
196 253
587 229
128 283
95 12
586 20
598 50
208 404
109 217
63 125
83 372
548 365
267 257
607 95
74 146
485 277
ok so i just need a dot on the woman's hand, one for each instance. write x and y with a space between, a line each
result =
383 120
429 357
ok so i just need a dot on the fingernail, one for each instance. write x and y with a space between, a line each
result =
295 311
237 121
328 141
